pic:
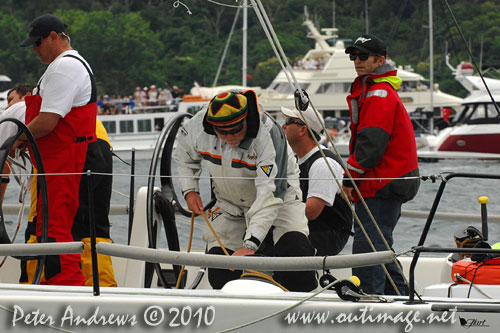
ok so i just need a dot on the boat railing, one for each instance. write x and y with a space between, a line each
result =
41 249
432 214
156 108
245 262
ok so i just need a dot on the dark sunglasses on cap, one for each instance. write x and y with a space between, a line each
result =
231 131
289 121
361 56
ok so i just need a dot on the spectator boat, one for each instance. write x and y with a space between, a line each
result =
475 130
140 130
5 85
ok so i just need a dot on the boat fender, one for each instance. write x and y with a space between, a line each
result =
487 272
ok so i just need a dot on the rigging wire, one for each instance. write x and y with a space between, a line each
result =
226 47
473 60
395 26
227 5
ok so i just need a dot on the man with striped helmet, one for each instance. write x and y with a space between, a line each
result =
254 179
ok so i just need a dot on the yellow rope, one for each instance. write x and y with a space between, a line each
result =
188 250
215 234
264 276
248 272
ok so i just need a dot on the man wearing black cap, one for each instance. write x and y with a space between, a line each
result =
382 150
61 114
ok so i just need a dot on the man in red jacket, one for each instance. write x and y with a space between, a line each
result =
383 151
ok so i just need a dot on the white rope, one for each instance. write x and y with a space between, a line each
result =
274 42
178 2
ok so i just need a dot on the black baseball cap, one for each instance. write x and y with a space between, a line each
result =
42 26
368 44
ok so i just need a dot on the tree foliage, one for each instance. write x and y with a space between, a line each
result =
133 43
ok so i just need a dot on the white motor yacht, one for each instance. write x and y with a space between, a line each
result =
475 130
5 83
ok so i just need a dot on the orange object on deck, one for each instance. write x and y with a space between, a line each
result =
195 98
477 272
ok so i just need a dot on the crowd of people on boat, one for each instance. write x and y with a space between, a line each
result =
142 98
317 63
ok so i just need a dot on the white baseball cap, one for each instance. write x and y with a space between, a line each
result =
309 116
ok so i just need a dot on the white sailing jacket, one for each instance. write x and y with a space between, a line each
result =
252 180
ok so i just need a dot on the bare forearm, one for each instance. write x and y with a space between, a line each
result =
314 207
43 124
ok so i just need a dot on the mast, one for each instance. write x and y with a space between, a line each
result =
366 17
244 41
431 65
333 14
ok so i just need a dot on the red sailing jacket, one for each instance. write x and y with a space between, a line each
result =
382 147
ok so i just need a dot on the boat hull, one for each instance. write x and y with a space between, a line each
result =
136 310
471 142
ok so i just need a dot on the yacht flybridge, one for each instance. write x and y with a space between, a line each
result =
326 73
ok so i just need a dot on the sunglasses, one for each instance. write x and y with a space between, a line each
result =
361 56
231 131
289 121
38 42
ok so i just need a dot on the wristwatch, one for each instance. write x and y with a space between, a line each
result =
250 246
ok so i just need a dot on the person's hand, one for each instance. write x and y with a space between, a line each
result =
243 251
194 202
348 192
20 144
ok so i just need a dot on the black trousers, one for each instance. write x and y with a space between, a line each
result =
291 244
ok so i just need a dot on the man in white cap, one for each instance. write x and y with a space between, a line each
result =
329 216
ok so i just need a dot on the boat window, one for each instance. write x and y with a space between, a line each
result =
273 85
463 113
492 111
333 88
144 125
126 126
411 86
287 88
193 109
110 126
483 114
159 123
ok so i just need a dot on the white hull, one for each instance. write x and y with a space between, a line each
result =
76 310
